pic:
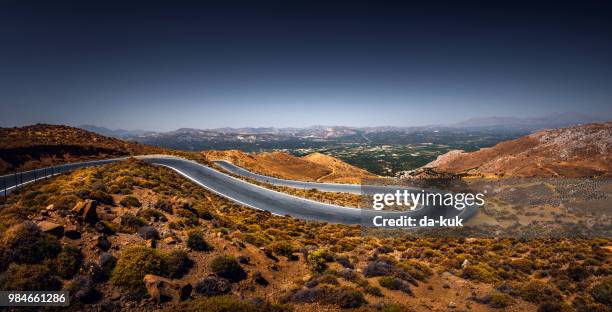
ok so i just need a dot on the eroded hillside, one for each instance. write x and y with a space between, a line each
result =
580 151
313 167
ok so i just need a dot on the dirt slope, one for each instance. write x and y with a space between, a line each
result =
313 167
44 145
578 151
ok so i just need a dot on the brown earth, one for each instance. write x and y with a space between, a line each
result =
43 145
313 167
580 151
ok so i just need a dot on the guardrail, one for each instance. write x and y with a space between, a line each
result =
18 179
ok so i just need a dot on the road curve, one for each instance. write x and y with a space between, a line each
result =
261 198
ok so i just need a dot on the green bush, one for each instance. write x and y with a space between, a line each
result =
177 263
130 201
26 243
195 241
68 262
227 267
149 214
102 197
394 283
282 249
29 277
500 300
480 272
344 297
130 223
133 264
229 304
602 292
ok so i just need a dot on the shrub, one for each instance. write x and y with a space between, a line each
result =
26 243
130 201
394 283
164 205
282 249
602 292
82 289
500 300
554 306
133 264
152 214
373 290
227 267
538 292
196 241
480 272
317 260
177 263
101 197
29 277
344 297
229 304
68 262
130 223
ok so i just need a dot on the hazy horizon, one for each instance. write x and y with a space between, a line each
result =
159 66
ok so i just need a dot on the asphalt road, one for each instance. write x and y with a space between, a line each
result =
261 198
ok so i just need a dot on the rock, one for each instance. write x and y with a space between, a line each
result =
87 210
148 232
185 292
72 231
259 279
465 263
50 207
107 262
163 289
244 259
151 243
170 240
100 227
452 305
213 286
51 228
82 289
103 243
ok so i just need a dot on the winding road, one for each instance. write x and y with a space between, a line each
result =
255 196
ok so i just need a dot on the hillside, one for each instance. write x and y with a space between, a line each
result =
314 167
44 145
136 237
579 151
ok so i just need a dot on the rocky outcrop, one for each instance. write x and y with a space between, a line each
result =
580 151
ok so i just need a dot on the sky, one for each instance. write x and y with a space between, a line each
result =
173 64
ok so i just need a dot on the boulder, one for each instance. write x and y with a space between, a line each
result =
100 227
213 286
170 240
72 231
51 228
87 210
162 289
103 243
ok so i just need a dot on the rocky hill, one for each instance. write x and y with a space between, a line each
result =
44 145
314 167
579 151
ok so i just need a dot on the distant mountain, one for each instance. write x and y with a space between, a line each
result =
117 133
265 138
578 151
529 124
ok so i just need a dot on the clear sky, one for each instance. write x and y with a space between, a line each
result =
172 64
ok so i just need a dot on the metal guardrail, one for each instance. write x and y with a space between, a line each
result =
18 179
